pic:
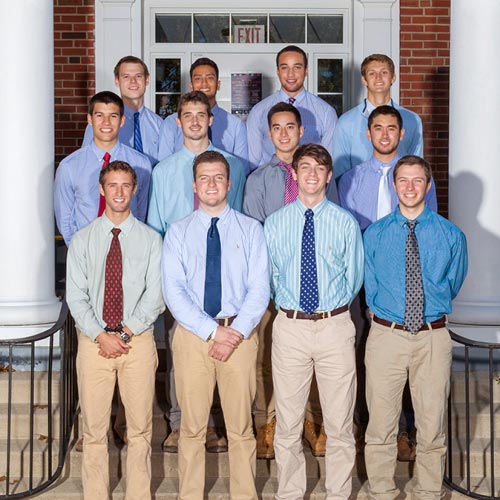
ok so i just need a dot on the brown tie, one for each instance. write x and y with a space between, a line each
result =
102 201
112 311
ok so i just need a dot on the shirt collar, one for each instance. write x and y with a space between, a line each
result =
125 226
369 107
298 98
206 218
129 112
374 163
192 155
100 152
317 209
215 110
402 220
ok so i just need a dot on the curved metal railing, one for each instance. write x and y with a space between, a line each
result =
29 464
471 460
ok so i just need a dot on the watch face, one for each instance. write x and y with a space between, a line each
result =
125 336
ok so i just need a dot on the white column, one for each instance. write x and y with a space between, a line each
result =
27 300
474 195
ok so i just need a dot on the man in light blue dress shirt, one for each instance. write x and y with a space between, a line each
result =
132 78
215 340
350 143
318 117
324 263
76 193
227 131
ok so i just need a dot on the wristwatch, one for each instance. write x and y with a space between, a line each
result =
119 329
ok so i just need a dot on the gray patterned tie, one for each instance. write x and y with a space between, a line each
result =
414 301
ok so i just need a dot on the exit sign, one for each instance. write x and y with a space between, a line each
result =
250 34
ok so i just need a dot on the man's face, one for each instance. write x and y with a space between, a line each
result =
385 134
106 122
205 79
211 184
378 78
311 177
132 81
118 190
291 72
285 132
411 186
194 121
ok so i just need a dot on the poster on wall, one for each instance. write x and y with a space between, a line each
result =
246 92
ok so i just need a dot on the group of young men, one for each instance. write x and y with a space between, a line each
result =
259 267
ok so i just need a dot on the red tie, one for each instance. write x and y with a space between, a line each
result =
102 201
112 311
291 100
291 188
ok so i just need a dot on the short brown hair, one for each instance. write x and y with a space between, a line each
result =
414 160
132 60
196 96
381 58
210 157
117 166
316 151
284 107
291 48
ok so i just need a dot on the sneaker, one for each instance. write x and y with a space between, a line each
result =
407 451
215 441
265 440
316 438
171 442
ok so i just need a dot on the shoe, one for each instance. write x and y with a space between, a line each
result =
265 440
316 438
79 445
215 441
171 442
406 448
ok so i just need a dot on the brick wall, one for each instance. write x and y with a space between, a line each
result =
424 79
74 71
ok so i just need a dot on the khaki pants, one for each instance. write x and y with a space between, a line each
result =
326 348
97 376
392 356
195 376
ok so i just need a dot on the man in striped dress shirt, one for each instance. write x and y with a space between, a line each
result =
316 254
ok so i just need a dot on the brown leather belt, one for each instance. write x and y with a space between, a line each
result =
290 313
439 323
225 321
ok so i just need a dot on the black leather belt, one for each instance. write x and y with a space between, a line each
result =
439 323
290 313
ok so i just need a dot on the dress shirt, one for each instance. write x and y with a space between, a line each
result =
318 119
172 197
228 133
76 188
265 190
339 254
352 147
358 191
244 271
86 264
443 260
149 123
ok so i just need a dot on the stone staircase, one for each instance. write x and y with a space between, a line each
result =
164 465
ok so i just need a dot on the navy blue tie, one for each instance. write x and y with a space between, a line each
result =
210 134
137 133
213 286
309 300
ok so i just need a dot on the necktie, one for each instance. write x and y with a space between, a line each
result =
384 193
210 134
291 188
112 311
213 286
309 300
102 201
291 100
137 133
414 298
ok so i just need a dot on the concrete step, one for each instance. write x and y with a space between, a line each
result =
479 387
480 449
20 420
21 384
479 420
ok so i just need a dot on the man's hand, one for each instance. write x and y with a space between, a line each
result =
227 336
220 352
111 345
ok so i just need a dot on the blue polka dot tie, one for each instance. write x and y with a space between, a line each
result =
112 310
137 133
414 296
309 300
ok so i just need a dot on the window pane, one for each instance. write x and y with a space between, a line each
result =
173 28
211 28
166 104
335 101
287 29
325 29
330 78
249 28
168 75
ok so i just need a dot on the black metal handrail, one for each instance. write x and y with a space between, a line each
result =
64 411
487 490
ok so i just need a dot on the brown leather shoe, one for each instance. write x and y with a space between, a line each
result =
406 448
316 438
79 445
216 442
171 442
265 440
